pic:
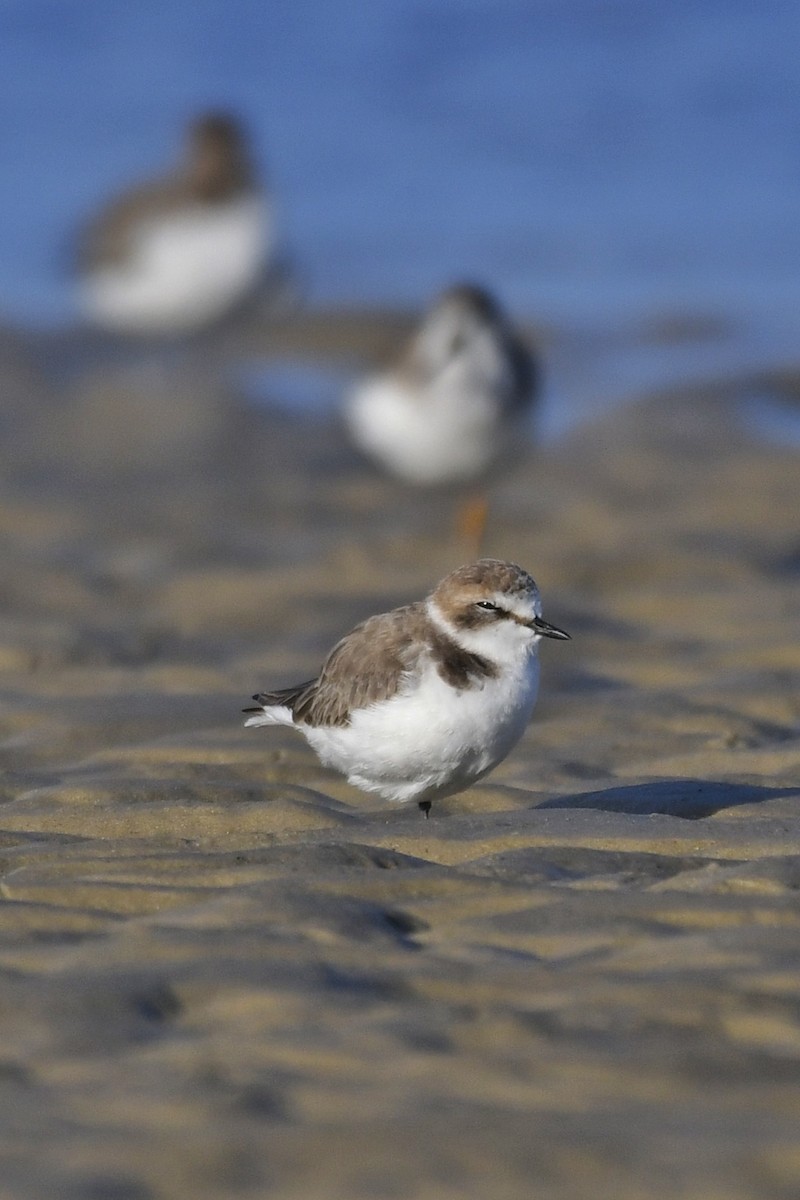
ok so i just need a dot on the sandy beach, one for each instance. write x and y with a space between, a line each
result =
224 972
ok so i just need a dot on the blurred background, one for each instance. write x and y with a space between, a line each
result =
618 167
584 974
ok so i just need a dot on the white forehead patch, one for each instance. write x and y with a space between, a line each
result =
521 604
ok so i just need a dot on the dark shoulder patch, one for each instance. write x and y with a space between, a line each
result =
525 373
458 667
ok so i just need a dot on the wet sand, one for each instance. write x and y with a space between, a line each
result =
223 972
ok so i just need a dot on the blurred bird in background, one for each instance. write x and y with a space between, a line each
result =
454 402
176 254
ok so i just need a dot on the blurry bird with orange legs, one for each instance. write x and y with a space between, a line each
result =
452 405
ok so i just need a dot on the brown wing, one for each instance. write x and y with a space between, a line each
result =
108 239
363 668
368 665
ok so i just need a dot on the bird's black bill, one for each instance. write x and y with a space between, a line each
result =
547 630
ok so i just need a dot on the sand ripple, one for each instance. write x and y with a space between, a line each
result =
225 973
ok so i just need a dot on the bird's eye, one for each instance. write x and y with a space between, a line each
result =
487 606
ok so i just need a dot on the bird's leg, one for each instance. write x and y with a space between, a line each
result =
425 806
471 519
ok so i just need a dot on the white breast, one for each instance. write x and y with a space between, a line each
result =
437 439
186 269
443 430
434 740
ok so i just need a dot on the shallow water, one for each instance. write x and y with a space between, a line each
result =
593 164
584 373
772 416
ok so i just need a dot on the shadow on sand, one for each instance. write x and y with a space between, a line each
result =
687 798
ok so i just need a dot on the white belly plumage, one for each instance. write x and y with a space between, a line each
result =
452 432
185 270
433 741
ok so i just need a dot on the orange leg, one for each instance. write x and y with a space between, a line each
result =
471 521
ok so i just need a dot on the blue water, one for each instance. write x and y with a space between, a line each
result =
597 162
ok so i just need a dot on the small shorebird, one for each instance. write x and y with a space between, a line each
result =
455 400
421 702
178 253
